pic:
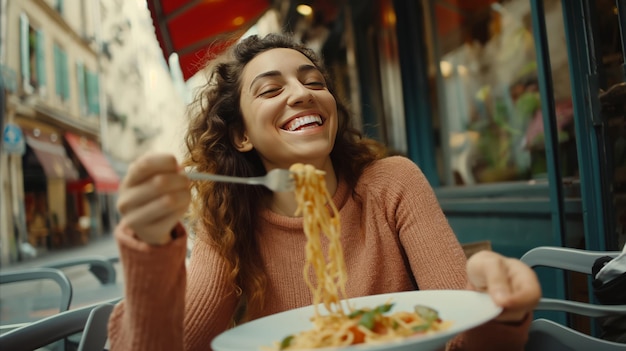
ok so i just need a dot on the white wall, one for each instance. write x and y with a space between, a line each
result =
139 85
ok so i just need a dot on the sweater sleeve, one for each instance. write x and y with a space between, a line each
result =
435 255
211 298
166 306
151 315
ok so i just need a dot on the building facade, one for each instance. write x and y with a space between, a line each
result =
86 90
50 49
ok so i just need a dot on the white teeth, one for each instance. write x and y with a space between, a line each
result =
301 121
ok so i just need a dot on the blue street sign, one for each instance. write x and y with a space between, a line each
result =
13 140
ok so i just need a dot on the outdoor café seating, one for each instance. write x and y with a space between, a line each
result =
549 335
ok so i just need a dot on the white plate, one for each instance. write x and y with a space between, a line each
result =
466 309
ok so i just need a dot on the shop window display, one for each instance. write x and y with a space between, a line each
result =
493 109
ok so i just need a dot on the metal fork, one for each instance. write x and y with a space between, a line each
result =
278 180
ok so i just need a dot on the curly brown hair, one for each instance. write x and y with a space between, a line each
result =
224 214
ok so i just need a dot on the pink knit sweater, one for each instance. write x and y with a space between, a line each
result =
394 235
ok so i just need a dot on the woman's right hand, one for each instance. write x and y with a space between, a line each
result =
153 197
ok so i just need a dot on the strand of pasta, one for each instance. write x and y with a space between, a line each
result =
329 269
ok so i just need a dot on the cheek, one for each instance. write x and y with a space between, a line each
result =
267 112
330 103
334 112
246 111
254 114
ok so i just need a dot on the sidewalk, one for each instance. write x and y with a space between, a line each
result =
102 246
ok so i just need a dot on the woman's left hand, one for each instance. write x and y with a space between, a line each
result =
511 284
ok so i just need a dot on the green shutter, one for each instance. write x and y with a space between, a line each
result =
65 81
93 93
61 79
90 80
24 50
96 105
60 6
58 85
41 59
80 78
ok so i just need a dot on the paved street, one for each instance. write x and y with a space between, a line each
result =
25 301
102 246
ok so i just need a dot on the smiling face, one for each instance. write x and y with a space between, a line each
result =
289 114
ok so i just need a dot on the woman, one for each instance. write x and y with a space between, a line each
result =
269 104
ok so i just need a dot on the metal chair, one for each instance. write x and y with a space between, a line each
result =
89 319
82 328
39 274
545 334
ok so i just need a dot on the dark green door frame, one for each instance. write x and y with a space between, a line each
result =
590 140
417 106
548 111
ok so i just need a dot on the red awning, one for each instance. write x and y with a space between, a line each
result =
196 28
94 161
53 159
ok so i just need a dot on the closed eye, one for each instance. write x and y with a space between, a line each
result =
318 85
269 92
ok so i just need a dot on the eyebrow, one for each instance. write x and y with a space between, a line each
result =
301 69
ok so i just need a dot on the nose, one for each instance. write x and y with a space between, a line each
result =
299 94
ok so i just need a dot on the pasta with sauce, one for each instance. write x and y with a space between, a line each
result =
341 325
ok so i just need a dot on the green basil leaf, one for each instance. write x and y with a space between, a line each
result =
286 342
367 320
384 308
355 314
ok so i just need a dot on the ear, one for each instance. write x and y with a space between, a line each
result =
242 142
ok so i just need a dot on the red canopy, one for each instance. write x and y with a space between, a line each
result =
98 167
196 28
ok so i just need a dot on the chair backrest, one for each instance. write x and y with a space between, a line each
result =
32 274
57 327
95 333
548 335
16 297
576 260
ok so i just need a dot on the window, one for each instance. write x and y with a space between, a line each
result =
32 57
82 87
93 92
490 103
88 90
62 87
58 5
